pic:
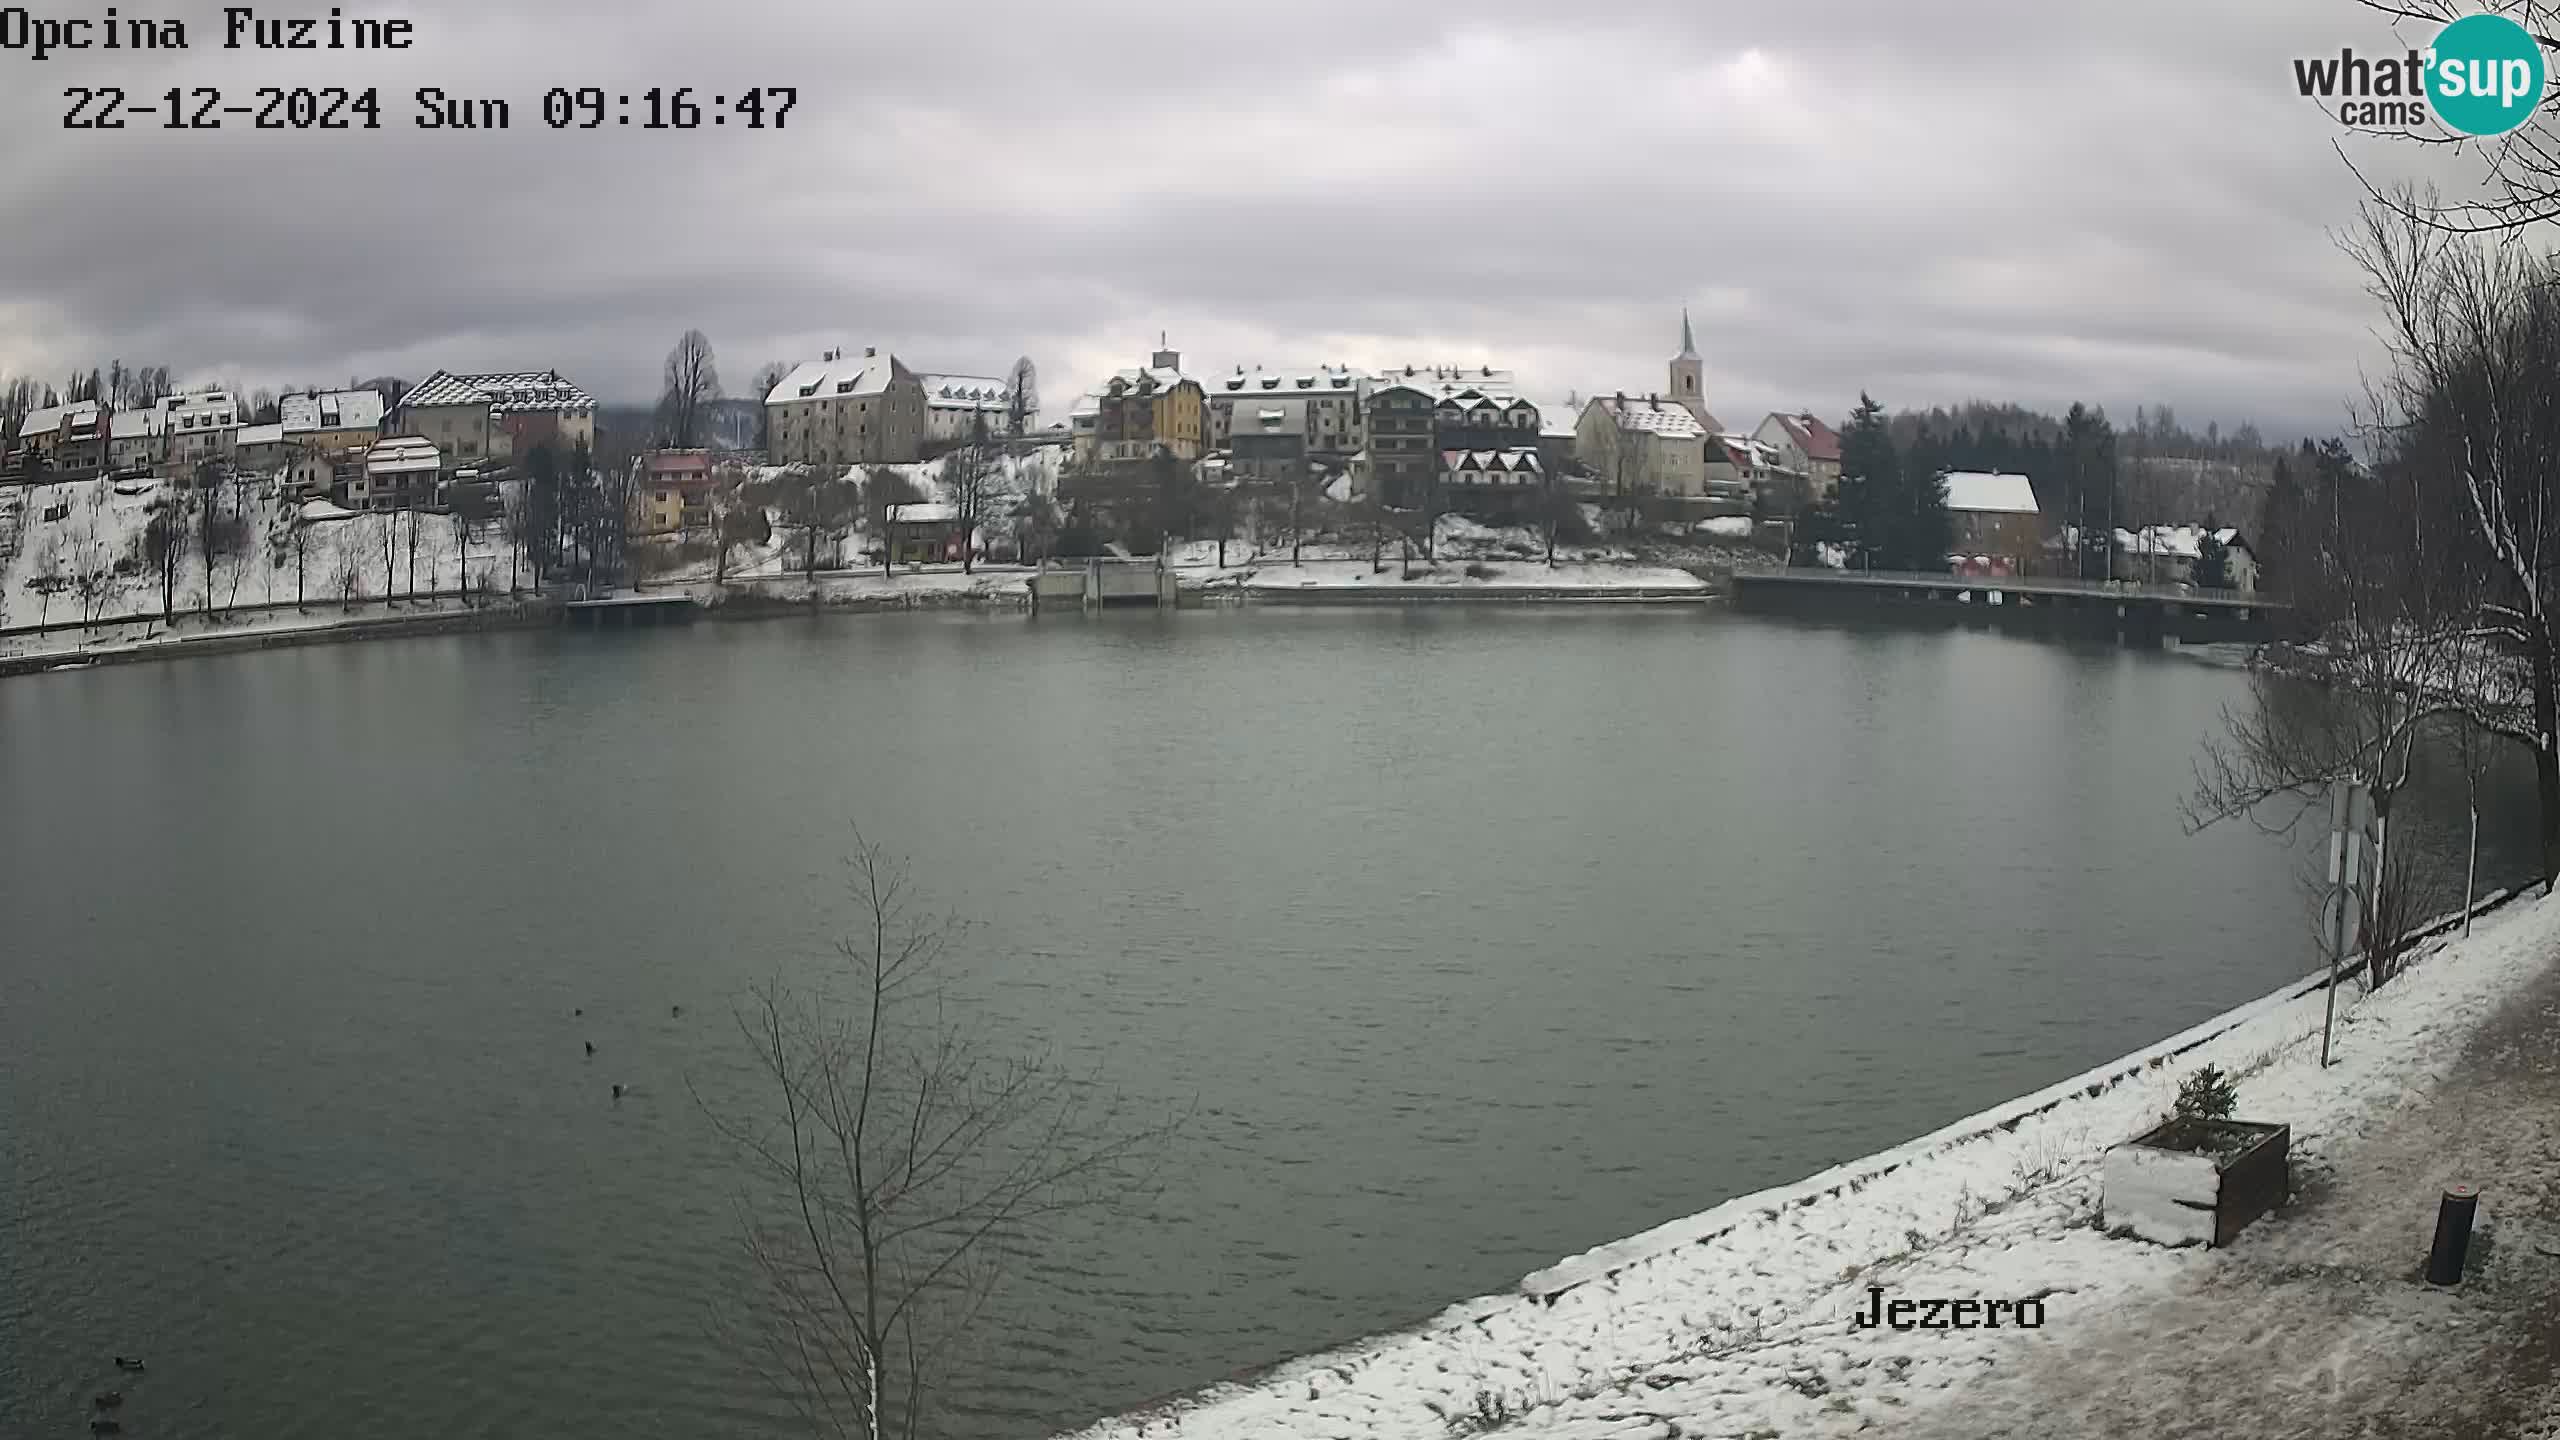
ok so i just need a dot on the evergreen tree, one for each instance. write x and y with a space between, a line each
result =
2213 558
1925 529
1868 477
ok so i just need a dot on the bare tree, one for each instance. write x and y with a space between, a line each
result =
462 544
2519 172
346 574
52 577
980 487
2474 335
2381 680
94 581
301 542
164 546
693 383
768 380
896 1163
1022 397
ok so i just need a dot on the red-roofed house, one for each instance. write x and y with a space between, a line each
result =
1806 446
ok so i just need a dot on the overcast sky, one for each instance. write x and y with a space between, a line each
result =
2027 201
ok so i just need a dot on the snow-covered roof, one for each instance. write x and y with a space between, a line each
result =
503 392
139 424
2179 542
1321 380
210 402
402 454
923 512
1984 493
1817 440
965 392
54 417
1744 451
1652 416
333 410
1435 378
255 435
1163 378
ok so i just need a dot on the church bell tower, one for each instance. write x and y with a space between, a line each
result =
1688 374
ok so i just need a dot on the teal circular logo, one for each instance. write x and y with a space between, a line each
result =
2484 76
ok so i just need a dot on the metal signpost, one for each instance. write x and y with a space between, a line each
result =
2350 814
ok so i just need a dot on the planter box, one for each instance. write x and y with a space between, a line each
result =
2197 1182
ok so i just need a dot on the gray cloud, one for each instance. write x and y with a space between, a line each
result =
1934 203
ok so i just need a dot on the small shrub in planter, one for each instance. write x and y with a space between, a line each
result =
2208 1094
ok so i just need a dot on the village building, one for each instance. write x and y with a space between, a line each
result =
1806 446
1266 443
847 410
1996 528
1328 399
501 417
925 532
137 438
332 420
199 426
1137 413
2167 555
673 491
1643 446
67 442
399 473
958 408
1420 418
258 447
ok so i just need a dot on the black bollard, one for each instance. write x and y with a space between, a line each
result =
2453 1234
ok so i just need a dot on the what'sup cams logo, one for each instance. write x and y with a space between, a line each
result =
2483 76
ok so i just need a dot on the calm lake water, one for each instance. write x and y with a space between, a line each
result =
1475 938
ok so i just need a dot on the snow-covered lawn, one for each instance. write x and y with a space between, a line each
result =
338 553
1737 1322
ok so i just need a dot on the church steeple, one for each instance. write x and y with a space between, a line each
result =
1688 375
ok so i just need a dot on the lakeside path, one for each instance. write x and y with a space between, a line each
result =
1736 1323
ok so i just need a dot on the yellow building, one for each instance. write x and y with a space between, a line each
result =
1138 412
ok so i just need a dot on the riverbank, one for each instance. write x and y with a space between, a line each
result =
1737 1321
193 636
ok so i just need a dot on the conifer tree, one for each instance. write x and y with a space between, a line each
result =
1868 476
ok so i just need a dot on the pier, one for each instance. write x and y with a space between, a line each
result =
2140 615
624 611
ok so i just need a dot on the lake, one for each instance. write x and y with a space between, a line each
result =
1469 938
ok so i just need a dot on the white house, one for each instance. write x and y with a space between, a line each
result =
398 474
201 425
137 438
1647 446
2167 555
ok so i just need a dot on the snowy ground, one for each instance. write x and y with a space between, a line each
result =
339 558
1737 1322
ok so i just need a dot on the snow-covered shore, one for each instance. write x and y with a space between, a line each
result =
1737 1321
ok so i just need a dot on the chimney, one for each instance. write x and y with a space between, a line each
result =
870 352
